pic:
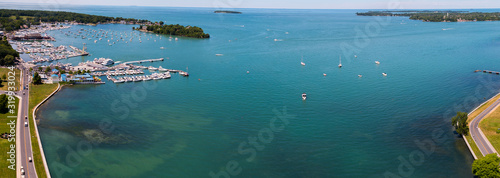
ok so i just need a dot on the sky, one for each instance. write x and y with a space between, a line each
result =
288 4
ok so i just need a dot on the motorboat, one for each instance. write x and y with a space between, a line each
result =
304 96
377 62
185 74
166 75
384 74
161 69
340 61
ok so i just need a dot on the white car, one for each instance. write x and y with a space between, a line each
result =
29 159
26 124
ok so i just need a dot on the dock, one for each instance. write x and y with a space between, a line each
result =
145 60
488 71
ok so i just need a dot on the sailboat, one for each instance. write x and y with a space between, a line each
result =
340 61
301 61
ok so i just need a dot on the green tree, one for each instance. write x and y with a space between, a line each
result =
4 77
460 123
47 70
37 79
3 104
31 69
40 69
8 60
487 166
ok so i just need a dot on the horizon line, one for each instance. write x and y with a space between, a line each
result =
281 8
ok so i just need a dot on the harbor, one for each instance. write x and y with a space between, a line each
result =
45 51
40 47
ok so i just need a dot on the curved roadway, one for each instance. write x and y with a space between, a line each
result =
477 135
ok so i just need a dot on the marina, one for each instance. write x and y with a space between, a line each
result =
87 72
45 51
153 76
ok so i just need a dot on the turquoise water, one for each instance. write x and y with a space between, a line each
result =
348 127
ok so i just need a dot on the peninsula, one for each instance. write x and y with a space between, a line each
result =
15 19
438 16
12 20
226 12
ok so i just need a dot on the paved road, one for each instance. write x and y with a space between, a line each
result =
24 135
481 141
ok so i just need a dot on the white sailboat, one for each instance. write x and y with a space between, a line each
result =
302 61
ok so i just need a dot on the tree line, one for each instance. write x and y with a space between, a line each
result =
439 16
7 53
13 19
179 30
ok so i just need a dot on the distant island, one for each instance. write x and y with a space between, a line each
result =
438 16
227 12
11 20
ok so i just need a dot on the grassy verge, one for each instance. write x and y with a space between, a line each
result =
5 71
474 147
37 94
472 116
5 145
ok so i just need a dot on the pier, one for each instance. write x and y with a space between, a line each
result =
145 60
488 71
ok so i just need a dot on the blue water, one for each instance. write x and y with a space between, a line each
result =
348 126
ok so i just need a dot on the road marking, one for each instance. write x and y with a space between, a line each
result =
481 117
26 150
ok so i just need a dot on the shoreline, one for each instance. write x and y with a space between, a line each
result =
42 153
469 124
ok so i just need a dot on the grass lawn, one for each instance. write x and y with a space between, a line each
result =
472 116
5 71
22 17
5 145
37 94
